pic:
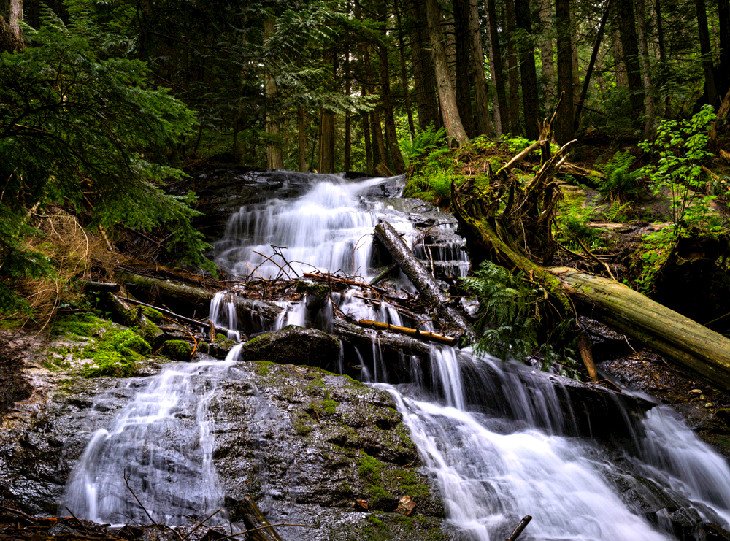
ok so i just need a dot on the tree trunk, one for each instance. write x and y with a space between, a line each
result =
547 79
661 45
565 121
380 152
302 139
327 142
274 154
630 50
347 159
392 149
723 69
649 105
592 63
464 75
257 527
423 71
528 71
447 95
11 36
711 95
404 69
496 66
482 122
513 73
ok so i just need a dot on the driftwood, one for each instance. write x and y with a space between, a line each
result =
356 336
416 333
424 281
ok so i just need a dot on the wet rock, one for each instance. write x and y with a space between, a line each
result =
311 347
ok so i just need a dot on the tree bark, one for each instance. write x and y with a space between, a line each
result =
257 527
423 71
630 50
403 68
482 122
565 120
496 66
447 95
274 154
547 78
327 142
513 73
723 69
642 24
711 95
11 36
661 45
392 148
528 71
427 287
464 66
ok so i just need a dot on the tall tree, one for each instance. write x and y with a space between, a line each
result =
547 71
564 123
630 50
711 94
463 65
642 23
496 67
512 67
528 70
11 36
394 156
723 69
446 93
482 122
274 153
424 75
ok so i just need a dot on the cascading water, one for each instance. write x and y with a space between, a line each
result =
158 450
491 468
496 454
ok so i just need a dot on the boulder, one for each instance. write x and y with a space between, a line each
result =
294 345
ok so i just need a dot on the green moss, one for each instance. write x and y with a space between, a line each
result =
115 353
329 406
177 350
263 368
79 325
153 315
150 331
369 467
302 423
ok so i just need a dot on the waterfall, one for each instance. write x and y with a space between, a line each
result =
158 450
496 453
499 441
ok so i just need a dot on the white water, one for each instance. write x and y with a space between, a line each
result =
491 470
158 449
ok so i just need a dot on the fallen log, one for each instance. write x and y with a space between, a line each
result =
424 281
677 337
356 336
520 528
416 333
332 279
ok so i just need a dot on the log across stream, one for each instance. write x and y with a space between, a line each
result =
498 440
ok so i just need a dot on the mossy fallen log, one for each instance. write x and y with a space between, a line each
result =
677 337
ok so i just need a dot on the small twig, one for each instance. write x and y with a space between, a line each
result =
594 258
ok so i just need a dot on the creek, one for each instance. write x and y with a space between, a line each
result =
499 440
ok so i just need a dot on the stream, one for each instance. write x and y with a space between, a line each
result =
496 438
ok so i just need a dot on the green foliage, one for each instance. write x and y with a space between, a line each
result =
512 322
507 322
90 134
656 248
621 183
433 176
425 142
680 150
572 223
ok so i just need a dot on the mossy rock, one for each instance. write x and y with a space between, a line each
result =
177 350
294 345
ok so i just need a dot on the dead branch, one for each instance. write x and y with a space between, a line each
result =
415 333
